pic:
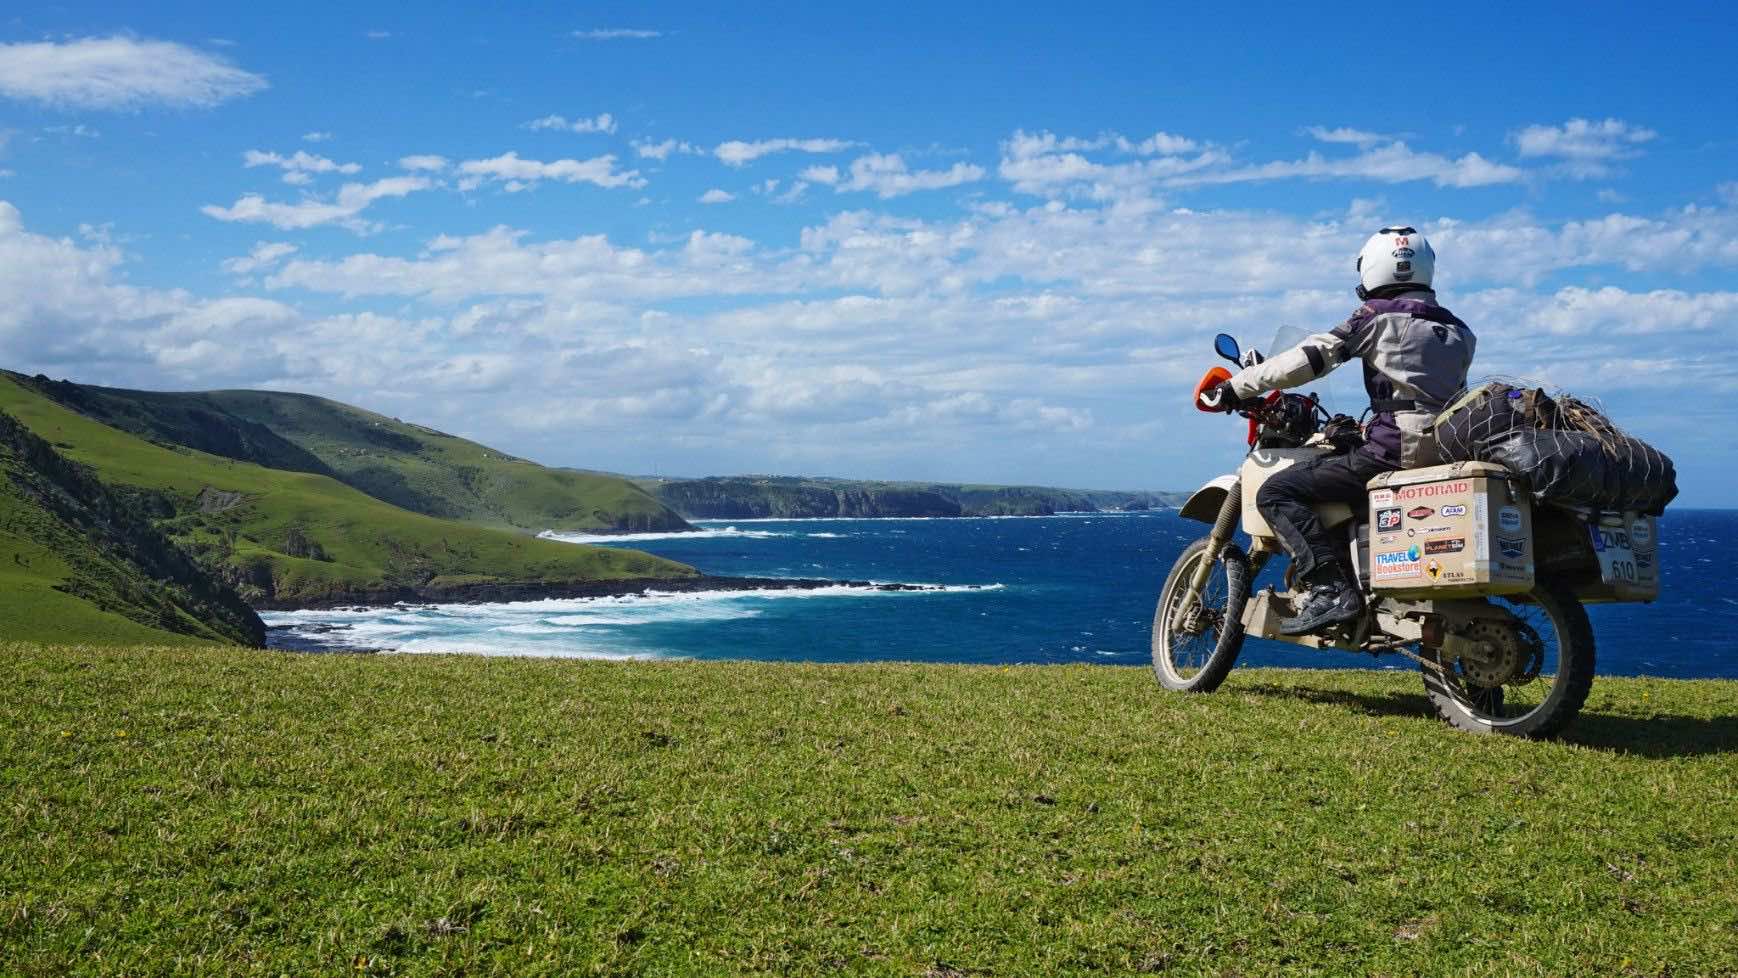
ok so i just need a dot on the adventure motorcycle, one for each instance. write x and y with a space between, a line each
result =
1458 571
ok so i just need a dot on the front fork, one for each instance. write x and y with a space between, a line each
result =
1224 528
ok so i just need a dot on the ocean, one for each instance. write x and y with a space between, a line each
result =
1015 590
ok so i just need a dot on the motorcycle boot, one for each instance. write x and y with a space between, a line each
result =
1329 602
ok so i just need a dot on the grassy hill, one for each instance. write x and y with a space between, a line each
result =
227 812
285 537
408 465
761 496
79 559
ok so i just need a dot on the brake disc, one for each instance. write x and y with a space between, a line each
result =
1510 656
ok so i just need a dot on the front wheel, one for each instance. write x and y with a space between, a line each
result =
1193 650
1547 691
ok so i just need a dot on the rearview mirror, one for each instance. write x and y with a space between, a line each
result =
1226 346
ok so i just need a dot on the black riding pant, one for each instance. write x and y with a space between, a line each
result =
1285 502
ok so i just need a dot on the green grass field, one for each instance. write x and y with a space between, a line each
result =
220 811
367 545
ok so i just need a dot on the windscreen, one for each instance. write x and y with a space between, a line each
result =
1341 391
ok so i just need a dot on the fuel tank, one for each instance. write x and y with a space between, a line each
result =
1265 463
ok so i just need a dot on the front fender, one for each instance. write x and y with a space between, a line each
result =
1205 503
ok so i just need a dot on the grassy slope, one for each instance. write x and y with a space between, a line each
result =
408 465
31 567
271 813
371 545
78 563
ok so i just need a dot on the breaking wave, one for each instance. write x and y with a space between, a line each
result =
602 627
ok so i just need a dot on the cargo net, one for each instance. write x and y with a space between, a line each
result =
1566 448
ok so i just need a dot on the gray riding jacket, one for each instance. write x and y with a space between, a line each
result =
1416 356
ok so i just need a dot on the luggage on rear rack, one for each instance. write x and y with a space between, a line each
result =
1568 451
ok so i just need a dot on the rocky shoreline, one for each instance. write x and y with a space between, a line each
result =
499 592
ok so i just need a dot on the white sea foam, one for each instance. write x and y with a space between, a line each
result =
727 532
597 627
1065 515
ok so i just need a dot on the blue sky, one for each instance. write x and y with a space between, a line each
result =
974 242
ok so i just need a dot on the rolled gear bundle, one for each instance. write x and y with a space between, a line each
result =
1568 451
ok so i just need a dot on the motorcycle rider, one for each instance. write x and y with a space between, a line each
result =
1416 355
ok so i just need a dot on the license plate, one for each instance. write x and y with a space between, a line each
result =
1616 554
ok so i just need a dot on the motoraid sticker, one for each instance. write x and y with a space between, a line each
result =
1509 519
1450 512
1432 490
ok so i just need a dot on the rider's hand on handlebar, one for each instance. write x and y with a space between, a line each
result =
1222 398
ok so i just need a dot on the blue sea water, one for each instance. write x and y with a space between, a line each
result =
1069 588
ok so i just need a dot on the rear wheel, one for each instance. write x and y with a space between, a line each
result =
1555 642
1194 650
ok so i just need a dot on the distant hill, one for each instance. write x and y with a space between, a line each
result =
283 538
407 465
761 497
81 562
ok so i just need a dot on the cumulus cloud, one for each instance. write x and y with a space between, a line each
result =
516 174
1345 134
1583 139
663 149
1047 164
1587 148
717 196
616 34
737 152
603 122
342 209
299 166
264 255
886 176
425 162
120 73
1042 330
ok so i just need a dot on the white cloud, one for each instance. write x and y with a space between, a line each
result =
737 152
120 73
1344 134
886 176
517 174
1390 163
351 200
316 137
604 123
616 34
662 150
265 254
1587 148
1043 331
424 162
78 131
299 166
717 196
1582 139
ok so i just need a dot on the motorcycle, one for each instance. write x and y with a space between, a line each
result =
1458 571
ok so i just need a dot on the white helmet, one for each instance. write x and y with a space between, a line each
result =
1396 255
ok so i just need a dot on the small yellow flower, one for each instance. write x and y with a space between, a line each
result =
120 733
66 733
